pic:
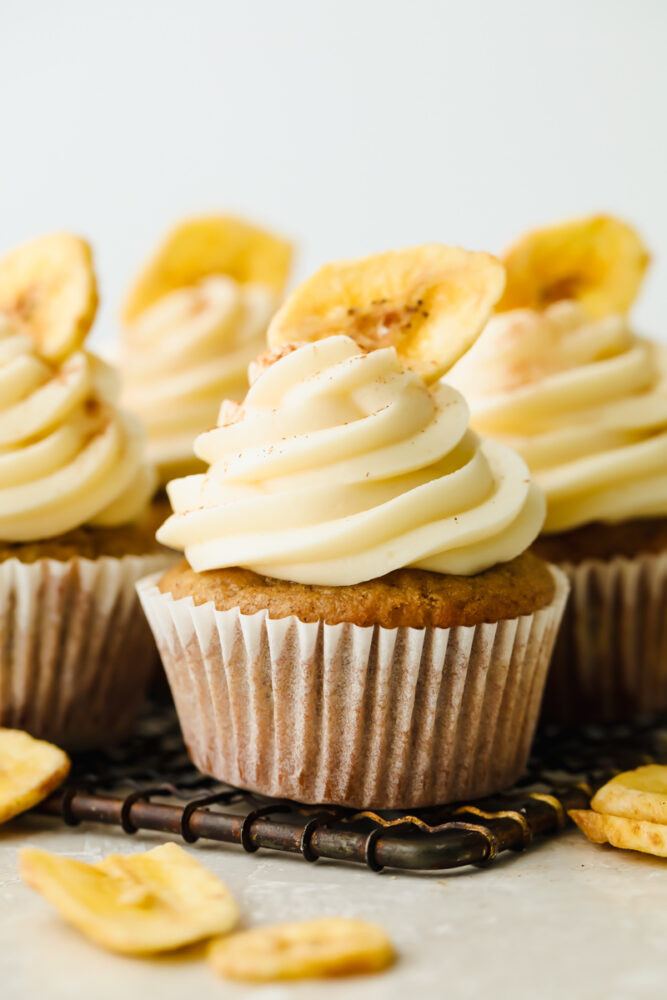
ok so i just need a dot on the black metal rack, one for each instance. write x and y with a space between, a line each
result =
149 783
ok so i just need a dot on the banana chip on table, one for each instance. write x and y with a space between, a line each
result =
134 904
429 302
597 261
30 770
638 794
48 290
631 834
330 946
630 811
205 246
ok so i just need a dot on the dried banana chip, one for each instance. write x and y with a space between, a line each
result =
330 946
200 247
429 302
598 261
48 290
639 794
136 903
29 771
631 834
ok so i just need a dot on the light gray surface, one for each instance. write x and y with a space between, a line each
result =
566 920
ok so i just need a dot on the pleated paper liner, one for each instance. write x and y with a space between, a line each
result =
75 650
357 716
610 661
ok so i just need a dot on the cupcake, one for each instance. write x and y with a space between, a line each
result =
357 620
193 321
74 487
582 398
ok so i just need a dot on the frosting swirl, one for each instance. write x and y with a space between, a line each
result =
68 456
185 353
583 401
341 467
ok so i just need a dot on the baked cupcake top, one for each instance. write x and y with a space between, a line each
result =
342 466
582 398
194 321
68 456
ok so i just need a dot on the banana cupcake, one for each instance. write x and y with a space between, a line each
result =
357 620
563 378
74 487
193 321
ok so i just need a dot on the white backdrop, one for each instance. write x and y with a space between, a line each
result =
352 126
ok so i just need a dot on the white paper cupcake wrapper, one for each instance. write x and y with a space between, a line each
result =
364 717
610 661
75 652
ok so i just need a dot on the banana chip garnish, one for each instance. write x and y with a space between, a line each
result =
630 811
205 246
597 261
30 770
134 904
429 302
330 946
48 291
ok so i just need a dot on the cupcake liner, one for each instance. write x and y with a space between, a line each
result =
610 660
357 716
75 651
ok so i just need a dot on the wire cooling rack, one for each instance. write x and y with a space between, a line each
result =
149 783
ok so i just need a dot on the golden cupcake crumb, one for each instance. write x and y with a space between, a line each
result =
604 541
87 543
405 597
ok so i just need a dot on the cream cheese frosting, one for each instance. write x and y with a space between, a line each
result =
583 401
68 456
341 467
185 353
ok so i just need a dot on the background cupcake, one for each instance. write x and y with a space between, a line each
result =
358 621
583 399
74 487
194 319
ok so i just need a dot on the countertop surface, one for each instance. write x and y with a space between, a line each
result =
566 919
